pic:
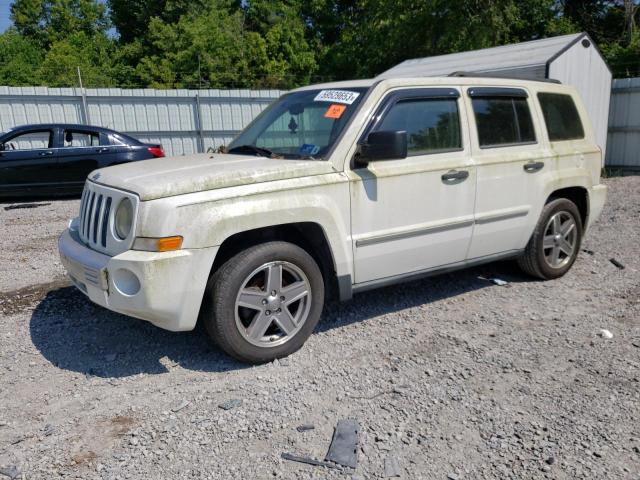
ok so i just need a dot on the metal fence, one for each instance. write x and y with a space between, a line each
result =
184 121
189 121
623 144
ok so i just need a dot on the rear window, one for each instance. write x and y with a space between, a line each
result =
561 117
503 121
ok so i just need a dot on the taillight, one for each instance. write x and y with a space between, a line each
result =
156 151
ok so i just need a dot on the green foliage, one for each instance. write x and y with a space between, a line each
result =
19 58
282 43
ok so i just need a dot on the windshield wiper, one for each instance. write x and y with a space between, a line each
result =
262 152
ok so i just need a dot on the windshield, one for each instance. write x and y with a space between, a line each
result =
300 125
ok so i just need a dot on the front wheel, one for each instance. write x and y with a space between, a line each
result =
555 242
264 302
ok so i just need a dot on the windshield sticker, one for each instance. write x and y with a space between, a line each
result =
335 111
340 96
309 149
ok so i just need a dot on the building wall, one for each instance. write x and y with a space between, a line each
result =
584 69
184 121
624 124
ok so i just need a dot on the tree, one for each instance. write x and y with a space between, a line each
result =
282 54
59 66
48 21
132 18
19 59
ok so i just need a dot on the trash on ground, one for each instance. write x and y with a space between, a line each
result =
587 251
26 205
604 333
494 280
392 467
12 472
307 460
229 404
305 427
179 407
616 263
344 445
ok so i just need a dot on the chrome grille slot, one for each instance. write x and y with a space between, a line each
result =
97 217
105 222
97 207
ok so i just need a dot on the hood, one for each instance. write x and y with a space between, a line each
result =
169 176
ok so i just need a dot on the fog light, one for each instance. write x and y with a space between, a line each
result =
126 282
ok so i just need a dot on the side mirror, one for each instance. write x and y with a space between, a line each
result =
384 145
2 147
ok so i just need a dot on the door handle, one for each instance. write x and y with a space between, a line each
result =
453 175
533 166
102 149
44 154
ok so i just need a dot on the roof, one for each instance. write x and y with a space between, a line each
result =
506 57
439 81
363 83
74 126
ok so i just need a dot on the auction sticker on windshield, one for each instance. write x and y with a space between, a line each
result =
340 96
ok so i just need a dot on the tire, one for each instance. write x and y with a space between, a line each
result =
249 316
538 259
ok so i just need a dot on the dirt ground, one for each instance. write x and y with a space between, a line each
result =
453 377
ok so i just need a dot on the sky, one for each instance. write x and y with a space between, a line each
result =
5 13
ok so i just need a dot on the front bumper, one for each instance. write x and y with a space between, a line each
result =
164 288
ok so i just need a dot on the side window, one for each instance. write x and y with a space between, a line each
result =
503 120
116 140
29 141
561 117
74 138
432 124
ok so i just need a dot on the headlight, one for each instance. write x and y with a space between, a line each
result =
124 218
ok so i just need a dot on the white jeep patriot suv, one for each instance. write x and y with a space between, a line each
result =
339 188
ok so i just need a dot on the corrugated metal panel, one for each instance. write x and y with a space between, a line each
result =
506 57
624 124
170 117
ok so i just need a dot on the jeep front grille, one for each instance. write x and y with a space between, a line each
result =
95 226
94 217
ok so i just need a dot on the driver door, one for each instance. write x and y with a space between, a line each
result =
29 161
415 214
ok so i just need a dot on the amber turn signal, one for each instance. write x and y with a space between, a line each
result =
164 244
169 243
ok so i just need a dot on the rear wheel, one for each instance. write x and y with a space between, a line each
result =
264 302
555 242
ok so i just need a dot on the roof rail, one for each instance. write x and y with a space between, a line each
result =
489 75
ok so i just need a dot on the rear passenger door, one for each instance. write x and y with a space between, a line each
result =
414 214
512 162
80 152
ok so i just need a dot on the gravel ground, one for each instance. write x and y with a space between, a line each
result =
453 376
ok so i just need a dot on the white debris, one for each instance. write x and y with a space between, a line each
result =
605 333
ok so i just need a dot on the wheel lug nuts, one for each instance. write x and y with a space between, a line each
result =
278 310
282 298
264 301
268 312
273 293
